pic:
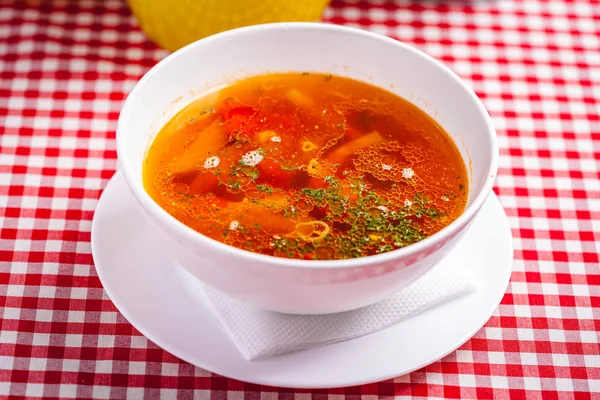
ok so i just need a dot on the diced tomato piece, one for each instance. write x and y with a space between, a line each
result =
239 119
316 183
222 193
271 172
240 113
204 182
235 114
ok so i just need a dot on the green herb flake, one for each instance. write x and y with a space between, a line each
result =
209 110
264 188
317 194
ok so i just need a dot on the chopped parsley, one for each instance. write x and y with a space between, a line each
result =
235 185
264 188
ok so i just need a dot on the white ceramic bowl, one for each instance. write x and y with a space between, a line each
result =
300 286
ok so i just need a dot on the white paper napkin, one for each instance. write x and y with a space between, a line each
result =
258 333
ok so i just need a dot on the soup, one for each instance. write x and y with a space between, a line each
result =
307 166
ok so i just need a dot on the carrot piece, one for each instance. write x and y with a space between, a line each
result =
195 112
210 140
349 148
250 214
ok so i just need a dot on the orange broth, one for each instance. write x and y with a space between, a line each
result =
307 166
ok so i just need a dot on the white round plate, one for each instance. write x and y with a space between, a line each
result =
157 297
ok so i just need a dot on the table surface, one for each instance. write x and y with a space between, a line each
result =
64 73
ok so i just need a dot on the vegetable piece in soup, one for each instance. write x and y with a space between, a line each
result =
307 166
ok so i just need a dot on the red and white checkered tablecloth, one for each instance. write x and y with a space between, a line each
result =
65 69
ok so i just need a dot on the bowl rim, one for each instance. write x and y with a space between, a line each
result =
164 217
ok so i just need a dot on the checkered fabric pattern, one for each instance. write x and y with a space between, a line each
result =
65 69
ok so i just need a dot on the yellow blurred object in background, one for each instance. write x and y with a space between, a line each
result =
174 23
